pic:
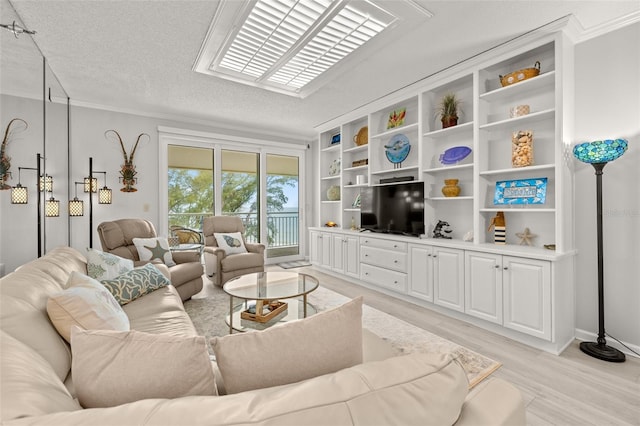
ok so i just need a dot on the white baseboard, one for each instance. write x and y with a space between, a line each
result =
588 336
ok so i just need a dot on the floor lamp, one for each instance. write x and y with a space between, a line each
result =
598 154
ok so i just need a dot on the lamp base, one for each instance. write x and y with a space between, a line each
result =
602 351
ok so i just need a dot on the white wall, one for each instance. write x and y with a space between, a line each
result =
608 106
18 239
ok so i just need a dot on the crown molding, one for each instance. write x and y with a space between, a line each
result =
607 27
291 138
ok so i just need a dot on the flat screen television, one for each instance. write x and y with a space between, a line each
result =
393 209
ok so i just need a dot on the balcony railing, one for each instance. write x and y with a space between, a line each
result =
282 226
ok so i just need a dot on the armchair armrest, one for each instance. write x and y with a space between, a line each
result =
255 247
186 256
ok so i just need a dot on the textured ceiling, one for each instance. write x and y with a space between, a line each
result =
138 56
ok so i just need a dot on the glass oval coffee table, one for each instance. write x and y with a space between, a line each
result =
262 294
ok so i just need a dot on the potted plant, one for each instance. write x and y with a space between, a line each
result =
448 110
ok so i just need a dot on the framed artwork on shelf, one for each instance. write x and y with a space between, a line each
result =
521 191
396 118
335 139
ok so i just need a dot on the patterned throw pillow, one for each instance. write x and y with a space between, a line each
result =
154 248
106 266
87 304
231 242
136 283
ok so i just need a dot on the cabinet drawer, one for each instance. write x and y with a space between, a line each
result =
393 280
383 244
384 258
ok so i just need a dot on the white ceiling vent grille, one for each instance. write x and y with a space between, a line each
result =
283 45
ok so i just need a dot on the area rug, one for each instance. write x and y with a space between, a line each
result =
294 264
208 315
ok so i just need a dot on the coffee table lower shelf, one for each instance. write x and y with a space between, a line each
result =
294 310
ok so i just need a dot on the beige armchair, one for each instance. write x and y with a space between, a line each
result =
217 262
117 237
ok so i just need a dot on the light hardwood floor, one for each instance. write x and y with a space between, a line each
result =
569 389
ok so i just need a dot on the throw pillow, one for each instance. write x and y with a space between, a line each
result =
323 343
154 248
87 304
135 283
110 368
231 242
106 266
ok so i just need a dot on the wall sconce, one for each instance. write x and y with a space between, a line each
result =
20 195
46 183
91 184
104 193
76 206
52 207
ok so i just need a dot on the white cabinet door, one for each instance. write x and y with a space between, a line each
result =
325 253
483 285
421 272
351 259
337 243
527 296
448 278
315 251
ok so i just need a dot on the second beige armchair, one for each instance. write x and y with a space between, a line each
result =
229 259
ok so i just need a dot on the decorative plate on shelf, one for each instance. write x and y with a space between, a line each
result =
454 154
397 150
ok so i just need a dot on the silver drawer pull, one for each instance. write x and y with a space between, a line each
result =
505 268
395 261
497 266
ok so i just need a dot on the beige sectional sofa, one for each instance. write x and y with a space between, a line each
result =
36 387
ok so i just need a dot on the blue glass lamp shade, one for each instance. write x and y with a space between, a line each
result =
600 151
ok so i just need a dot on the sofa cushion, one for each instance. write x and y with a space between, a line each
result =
135 283
112 367
30 387
87 304
154 248
106 266
230 242
23 314
160 311
323 343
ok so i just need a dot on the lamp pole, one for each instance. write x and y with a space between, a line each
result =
600 349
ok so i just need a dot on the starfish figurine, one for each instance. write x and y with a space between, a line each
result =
525 237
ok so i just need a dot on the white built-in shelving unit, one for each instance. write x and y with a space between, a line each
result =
525 290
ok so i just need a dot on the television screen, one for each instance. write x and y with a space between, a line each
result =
393 209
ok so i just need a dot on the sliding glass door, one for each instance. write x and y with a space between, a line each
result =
283 210
240 185
260 185
190 185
